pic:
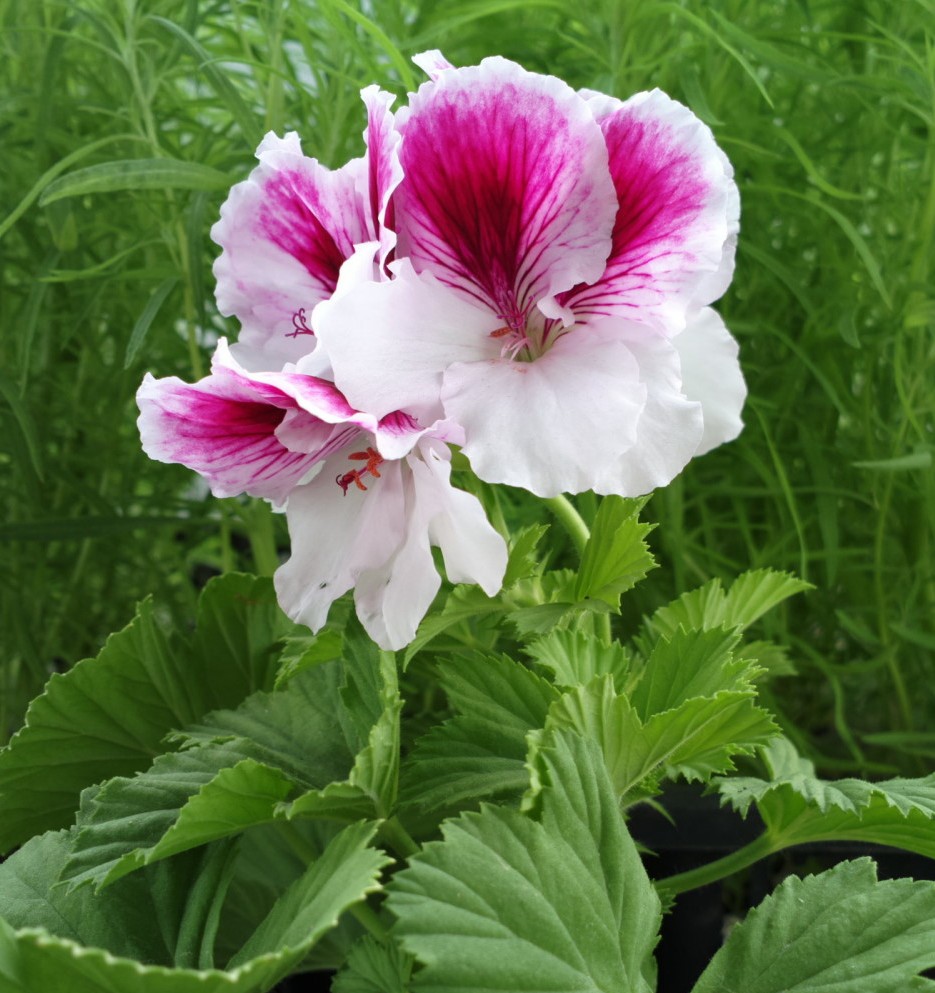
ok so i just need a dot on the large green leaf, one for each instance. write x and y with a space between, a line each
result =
127 940
481 753
796 806
140 919
509 902
462 761
246 762
369 715
840 930
107 716
498 689
696 739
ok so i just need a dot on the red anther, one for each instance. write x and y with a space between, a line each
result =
299 325
355 476
500 332
373 459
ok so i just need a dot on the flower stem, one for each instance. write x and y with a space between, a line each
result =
398 837
579 533
713 871
366 916
570 519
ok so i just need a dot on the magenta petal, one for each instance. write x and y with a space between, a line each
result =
677 218
506 193
218 429
384 171
284 234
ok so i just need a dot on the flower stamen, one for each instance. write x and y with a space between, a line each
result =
354 477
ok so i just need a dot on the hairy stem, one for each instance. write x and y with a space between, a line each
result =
711 872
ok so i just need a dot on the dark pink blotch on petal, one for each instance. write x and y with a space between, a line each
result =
229 440
288 220
506 193
671 224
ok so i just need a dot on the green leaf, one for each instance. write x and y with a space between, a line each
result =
523 561
464 760
135 174
140 919
373 967
497 689
796 806
46 178
220 82
125 940
306 651
616 556
575 658
751 595
839 930
153 305
465 604
107 716
346 872
480 754
506 902
694 740
249 760
690 664
370 717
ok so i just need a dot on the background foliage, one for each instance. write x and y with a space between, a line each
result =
827 110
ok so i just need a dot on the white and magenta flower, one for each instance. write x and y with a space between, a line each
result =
512 267
556 254
365 498
286 231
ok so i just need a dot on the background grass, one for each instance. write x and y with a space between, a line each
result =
826 110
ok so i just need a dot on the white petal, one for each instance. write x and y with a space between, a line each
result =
390 342
557 424
474 552
337 536
711 375
670 426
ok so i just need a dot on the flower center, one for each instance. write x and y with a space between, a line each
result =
526 334
354 477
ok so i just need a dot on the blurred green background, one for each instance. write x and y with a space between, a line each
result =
827 110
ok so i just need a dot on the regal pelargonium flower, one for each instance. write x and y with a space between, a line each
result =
365 498
556 255
286 231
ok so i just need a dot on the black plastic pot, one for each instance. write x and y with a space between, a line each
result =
704 831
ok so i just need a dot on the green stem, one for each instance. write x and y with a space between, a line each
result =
398 837
366 916
713 871
571 520
579 533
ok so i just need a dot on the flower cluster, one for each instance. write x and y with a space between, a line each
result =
512 267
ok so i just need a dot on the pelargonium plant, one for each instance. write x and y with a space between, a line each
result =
514 281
